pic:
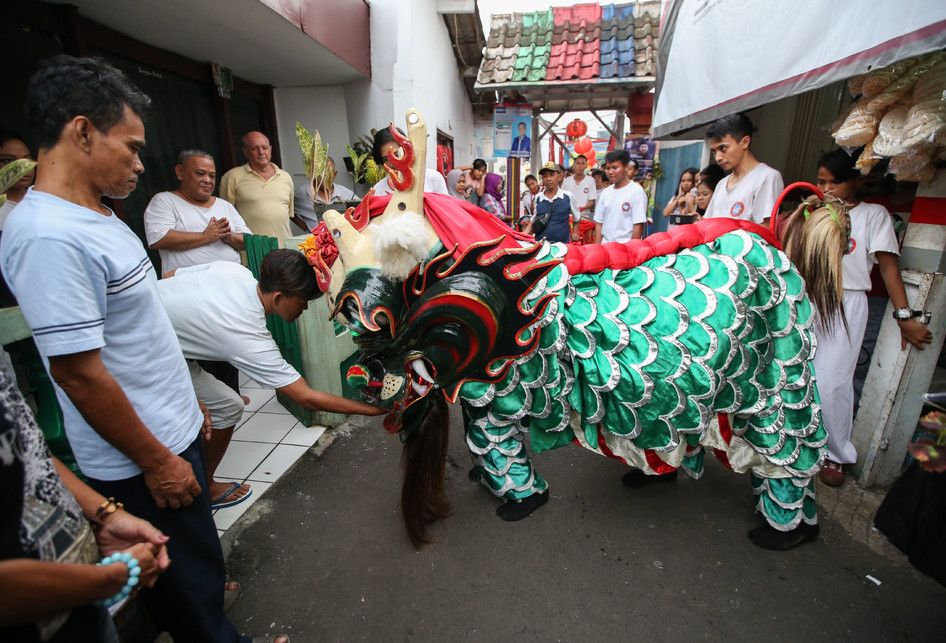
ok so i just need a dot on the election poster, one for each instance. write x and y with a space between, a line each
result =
512 131
641 149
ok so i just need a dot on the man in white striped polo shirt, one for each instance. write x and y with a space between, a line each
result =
88 291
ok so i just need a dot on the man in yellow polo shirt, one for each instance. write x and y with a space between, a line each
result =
259 190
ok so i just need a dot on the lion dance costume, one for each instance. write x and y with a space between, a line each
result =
649 351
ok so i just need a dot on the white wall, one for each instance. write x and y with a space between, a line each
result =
370 103
321 108
438 91
412 65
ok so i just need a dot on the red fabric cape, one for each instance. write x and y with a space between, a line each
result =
461 224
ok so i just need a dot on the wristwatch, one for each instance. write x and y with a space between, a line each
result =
902 314
106 509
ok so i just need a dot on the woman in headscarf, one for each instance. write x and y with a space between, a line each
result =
456 185
492 200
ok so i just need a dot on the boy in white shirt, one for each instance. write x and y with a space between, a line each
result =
872 241
621 210
582 187
750 190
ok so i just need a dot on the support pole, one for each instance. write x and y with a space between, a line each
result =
536 142
513 183
891 401
611 131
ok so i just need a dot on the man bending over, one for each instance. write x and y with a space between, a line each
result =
218 311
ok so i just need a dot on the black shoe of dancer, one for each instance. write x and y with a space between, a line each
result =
635 478
511 511
768 537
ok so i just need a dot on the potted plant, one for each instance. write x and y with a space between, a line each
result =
317 169
365 172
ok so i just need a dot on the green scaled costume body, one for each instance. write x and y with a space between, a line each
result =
706 347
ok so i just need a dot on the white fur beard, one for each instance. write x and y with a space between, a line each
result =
400 243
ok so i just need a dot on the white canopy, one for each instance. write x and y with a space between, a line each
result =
717 57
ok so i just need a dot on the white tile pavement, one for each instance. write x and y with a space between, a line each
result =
266 443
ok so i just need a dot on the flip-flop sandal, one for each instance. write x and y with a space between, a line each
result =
222 501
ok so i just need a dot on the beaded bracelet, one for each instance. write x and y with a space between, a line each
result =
133 572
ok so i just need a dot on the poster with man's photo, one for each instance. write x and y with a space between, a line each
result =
641 149
512 129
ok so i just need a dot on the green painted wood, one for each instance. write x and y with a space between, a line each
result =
16 338
13 326
324 346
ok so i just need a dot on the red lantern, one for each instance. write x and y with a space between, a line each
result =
582 145
590 155
576 129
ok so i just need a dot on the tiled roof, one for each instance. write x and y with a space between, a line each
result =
569 61
531 62
581 42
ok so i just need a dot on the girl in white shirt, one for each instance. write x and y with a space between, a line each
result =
873 241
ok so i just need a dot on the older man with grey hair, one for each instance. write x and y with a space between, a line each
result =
260 190
190 226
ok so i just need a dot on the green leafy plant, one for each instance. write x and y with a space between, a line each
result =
314 157
364 168
13 172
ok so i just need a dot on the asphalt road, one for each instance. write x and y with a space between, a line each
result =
324 556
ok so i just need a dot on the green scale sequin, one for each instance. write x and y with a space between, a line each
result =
652 354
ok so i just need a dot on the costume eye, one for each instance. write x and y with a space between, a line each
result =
337 234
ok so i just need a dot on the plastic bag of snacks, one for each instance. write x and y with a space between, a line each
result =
867 159
890 132
925 125
878 80
900 91
855 84
926 120
859 127
931 85
914 165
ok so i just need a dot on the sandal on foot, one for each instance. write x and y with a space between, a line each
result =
227 499
832 474
511 511
635 478
768 537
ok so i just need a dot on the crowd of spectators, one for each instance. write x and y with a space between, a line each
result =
146 364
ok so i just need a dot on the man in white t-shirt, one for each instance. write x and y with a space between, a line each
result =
621 210
750 190
218 312
87 289
582 187
191 226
